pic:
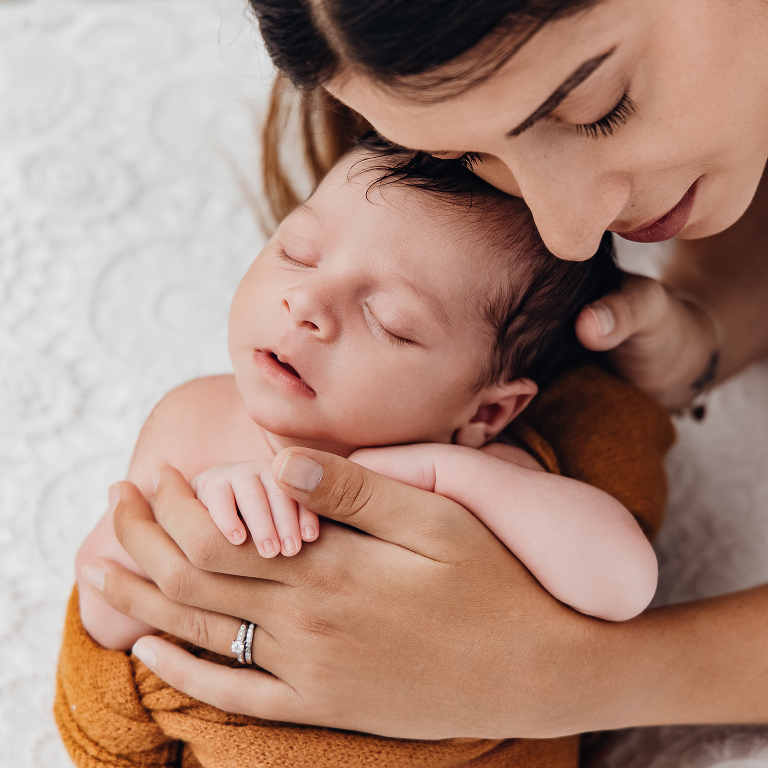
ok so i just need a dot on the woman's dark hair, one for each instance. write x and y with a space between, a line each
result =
533 305
404 44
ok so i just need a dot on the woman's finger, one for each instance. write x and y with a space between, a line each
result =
638 307
182 526
243 691
168 567
136 597
660 342
341 490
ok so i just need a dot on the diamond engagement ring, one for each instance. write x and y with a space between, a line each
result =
238 646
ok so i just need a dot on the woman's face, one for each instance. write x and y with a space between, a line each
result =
648 118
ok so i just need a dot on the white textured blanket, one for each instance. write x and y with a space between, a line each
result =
123 233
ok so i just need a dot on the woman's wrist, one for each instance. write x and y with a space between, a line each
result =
700 351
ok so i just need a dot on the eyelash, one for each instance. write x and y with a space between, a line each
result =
397 340
610 123
283 256
602 128
470 159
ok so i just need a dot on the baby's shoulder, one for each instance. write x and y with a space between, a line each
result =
194 427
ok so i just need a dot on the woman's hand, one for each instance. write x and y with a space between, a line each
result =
658 341
427 628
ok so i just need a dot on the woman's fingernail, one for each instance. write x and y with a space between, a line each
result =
289 545
309 531
603 317
156 479
113 497
300 472
237 536
144 653
268 546
95 576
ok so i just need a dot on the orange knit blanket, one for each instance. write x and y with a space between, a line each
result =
112 711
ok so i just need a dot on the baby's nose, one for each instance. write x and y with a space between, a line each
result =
309 314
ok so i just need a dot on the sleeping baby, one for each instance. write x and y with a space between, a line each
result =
404 316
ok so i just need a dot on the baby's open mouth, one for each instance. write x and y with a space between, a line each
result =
287 367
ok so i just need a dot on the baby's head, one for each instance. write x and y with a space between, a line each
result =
406 301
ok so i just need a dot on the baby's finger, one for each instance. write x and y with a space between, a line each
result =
254 507
219 498
309 523
285 514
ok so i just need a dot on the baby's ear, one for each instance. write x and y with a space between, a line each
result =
499 404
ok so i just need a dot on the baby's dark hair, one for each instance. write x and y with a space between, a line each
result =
533 313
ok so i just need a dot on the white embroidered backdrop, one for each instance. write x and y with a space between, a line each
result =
123 233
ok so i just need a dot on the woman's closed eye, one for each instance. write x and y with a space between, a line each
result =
610 123
383 332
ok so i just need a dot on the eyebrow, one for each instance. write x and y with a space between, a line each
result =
559 95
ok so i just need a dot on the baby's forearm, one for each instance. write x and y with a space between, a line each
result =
580 543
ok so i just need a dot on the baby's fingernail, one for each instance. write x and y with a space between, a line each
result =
95 576
289 545
156 479
603 317
300 472
144 653
268 546
309 531
113 497
237 536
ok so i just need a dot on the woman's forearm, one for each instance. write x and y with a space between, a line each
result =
729 272
693 663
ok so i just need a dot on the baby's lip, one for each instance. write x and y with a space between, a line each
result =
284 362
280 366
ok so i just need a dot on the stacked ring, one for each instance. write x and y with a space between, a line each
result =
238 645
242 646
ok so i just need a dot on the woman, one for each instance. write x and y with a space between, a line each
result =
646 118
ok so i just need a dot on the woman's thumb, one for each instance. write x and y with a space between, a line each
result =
342 490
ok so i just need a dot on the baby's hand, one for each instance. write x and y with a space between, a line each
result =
276 523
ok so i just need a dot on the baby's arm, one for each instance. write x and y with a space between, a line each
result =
581 544
185 429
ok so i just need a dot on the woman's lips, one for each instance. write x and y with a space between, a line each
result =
282 372
668 225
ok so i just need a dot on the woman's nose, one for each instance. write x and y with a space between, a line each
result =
310 311
572 207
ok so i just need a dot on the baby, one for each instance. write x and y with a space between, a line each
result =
406 303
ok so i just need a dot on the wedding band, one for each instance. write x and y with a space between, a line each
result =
238 645
249 642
